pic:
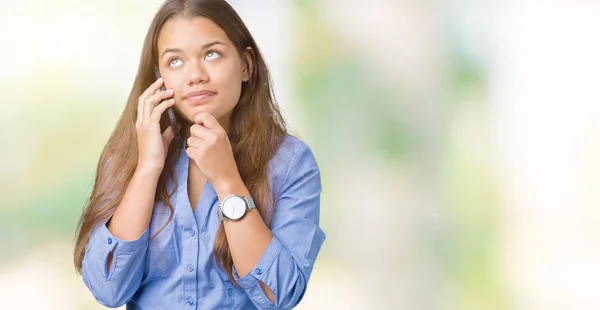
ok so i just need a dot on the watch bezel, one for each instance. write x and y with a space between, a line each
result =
229 198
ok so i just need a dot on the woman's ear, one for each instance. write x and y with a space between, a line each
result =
247 63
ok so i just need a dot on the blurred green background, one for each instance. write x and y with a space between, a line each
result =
458 143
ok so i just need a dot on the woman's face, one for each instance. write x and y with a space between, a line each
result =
198 61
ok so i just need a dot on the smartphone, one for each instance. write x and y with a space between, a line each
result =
170 111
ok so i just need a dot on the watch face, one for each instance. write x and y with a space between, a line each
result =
234 207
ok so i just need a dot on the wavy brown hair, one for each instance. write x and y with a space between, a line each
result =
257 129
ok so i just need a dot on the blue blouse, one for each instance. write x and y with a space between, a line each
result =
176 269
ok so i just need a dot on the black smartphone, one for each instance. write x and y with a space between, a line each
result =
170 111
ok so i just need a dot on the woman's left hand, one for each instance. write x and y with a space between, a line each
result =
209 147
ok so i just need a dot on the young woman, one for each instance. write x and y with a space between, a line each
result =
227 216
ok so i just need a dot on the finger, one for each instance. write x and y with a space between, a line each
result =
140 111
201 132
160 109
191 152
155 100
152 88
207 120
194 142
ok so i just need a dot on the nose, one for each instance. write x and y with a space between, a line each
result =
197 74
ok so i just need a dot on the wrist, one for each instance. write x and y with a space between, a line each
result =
147 172
230 186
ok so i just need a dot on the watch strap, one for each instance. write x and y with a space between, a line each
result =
220 213
249 202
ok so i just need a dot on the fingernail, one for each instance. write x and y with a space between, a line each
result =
159 79
169 90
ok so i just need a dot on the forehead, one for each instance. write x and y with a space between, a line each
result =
183 33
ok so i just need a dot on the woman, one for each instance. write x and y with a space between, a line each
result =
228 217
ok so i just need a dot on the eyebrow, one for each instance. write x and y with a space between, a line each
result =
178 50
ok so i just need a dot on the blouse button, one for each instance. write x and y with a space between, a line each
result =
190 302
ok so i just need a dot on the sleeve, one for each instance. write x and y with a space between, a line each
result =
115 288
287 263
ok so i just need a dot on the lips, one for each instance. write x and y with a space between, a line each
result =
200 95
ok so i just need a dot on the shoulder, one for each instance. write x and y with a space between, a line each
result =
294 157
292 151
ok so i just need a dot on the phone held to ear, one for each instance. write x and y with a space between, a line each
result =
170 113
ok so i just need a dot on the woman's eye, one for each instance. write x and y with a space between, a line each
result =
212 55
174 62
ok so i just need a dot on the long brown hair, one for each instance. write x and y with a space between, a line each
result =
257 129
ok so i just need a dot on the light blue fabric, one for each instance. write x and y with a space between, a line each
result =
176 270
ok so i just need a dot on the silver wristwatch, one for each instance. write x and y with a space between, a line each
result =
235 207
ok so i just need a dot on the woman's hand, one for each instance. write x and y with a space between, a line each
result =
152 144
209 147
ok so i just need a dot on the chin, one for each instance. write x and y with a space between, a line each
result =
190 113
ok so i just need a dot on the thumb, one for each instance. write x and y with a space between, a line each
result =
168 135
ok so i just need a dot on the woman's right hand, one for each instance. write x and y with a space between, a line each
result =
152 144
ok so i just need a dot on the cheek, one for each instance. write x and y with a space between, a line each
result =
230 87
178 85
